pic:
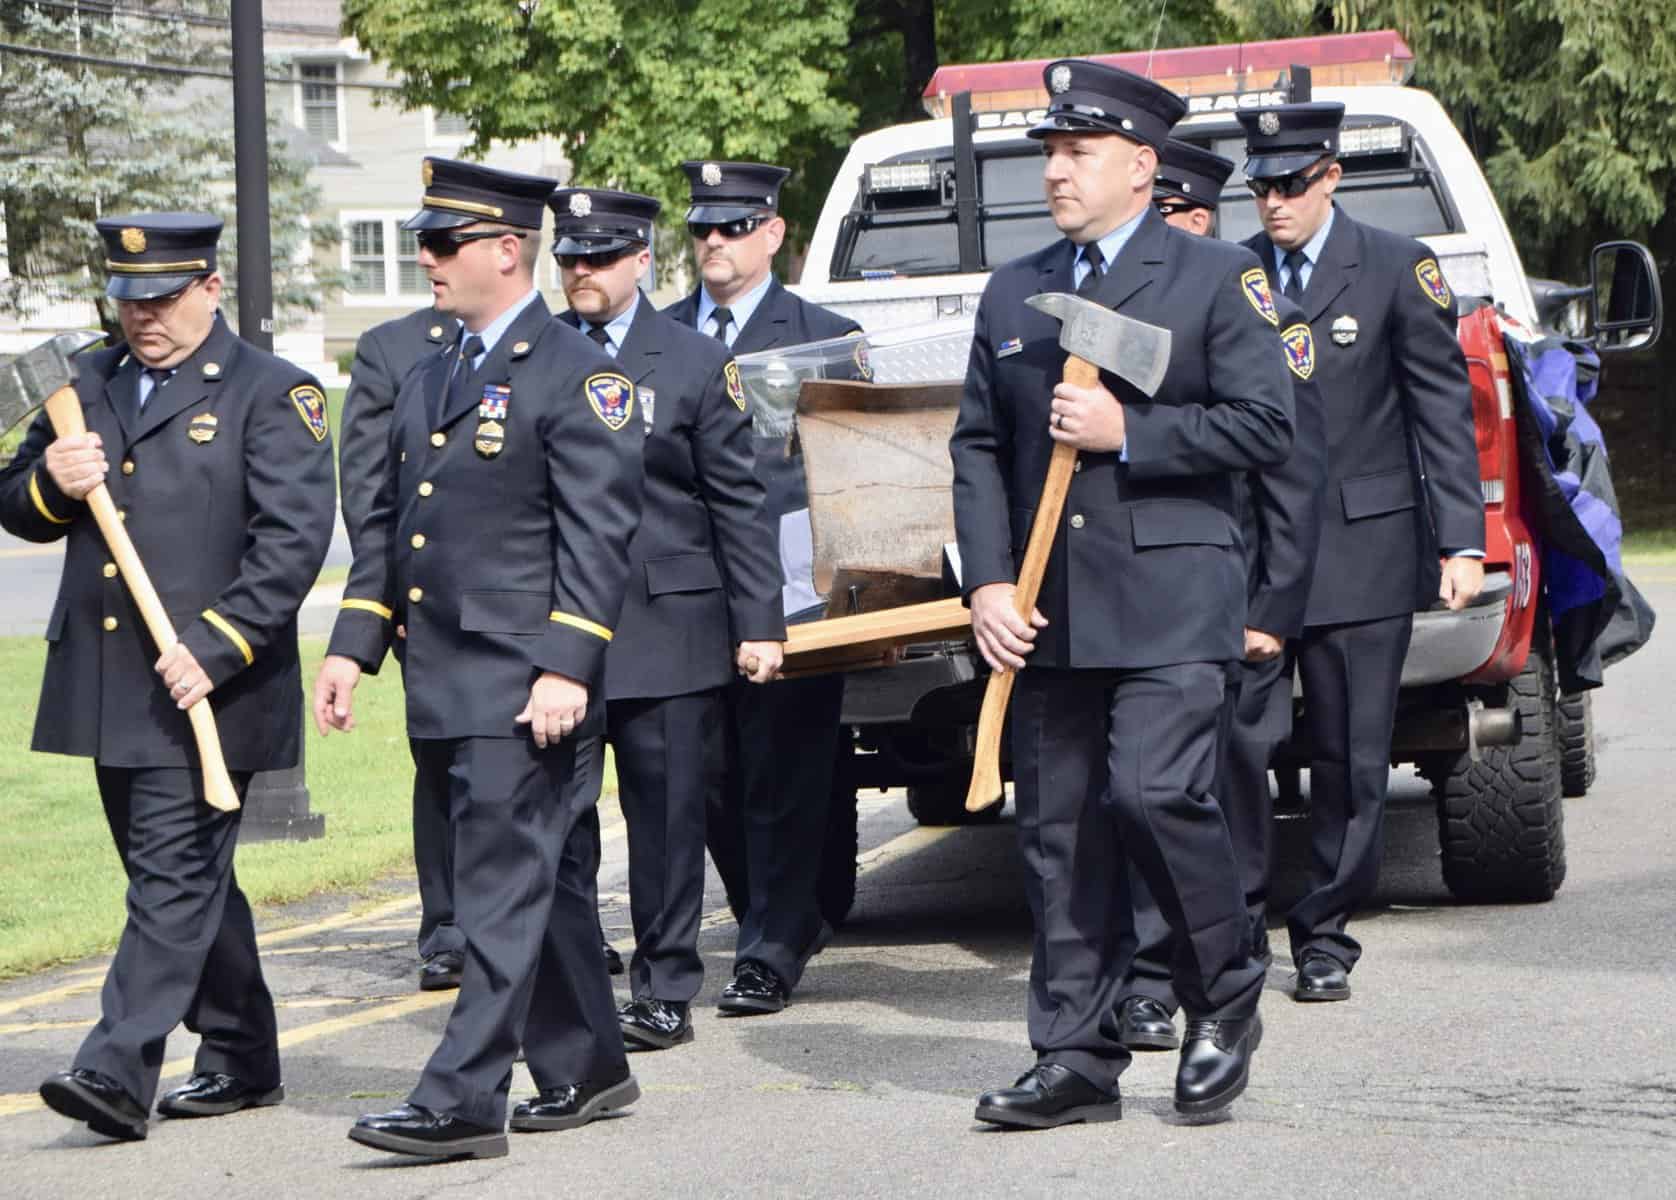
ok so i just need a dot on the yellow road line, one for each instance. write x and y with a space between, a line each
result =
40 1026
55 548
291 933
86 979
337 948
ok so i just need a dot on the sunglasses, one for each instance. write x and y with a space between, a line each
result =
446 243
1291 186
739 228
597 261
1172 206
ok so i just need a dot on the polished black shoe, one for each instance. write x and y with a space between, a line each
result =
1046 1097
216 1095
414 1130
100 1101
755 990
441 971
1215 1063
573 1105
655 1024
1145 1024
613 960
1321 977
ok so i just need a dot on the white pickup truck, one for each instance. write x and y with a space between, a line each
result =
920 212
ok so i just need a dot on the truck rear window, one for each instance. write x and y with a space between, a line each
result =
914 233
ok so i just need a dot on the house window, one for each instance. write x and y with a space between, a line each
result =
366 258
410 278
320 99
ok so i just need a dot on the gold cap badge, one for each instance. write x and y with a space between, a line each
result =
425 172
133 240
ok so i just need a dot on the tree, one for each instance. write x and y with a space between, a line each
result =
78 141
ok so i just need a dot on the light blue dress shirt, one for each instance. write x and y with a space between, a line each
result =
742 309
616 329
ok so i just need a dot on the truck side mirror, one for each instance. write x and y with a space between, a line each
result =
1626 306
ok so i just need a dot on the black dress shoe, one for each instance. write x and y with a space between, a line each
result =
441 971
755 990
1046 1097
217 1095
100 1101
613 960
1215 1063
1321 977
573 1104
1145 1024
414 1130
655 1024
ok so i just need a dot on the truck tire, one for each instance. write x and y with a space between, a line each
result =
943 802
1577 743
1501 822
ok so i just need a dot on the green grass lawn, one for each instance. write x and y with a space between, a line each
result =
1650 547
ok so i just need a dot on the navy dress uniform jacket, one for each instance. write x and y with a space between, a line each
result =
384 356
1147 568
226 484
782 319
1399 385
501 556
704 573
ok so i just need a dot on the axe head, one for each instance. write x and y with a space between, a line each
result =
27 380
1134 351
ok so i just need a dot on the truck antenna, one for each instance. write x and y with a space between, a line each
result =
1157 30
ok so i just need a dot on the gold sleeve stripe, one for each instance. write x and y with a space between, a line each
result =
582 623
371 606
232 635
41 505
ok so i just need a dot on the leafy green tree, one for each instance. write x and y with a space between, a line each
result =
78 141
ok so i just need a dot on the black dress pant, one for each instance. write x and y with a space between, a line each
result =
767 834
1260 720
433 860
669 766
1351 675
188 950
1109 766
511 816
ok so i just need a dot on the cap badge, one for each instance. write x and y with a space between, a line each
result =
1059 80
581 204
1268 124
133 240
425 172
711 174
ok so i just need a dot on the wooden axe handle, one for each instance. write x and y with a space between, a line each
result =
985 788
64 411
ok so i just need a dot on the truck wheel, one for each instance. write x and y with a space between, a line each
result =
1577 743
1500 819
943 802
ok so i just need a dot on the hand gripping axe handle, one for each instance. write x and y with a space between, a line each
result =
1138 354
48 370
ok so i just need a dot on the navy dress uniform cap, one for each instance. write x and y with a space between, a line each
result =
460 193
1286 138
599 220
148 255
727 191
1188 172
1091 97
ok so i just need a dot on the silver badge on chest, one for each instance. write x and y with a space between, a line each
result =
648 401
1345 330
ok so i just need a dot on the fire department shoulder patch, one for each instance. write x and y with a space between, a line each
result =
311 406
612 398
735 387
1299 343
1432 282
1255 284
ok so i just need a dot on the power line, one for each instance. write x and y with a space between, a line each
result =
96 9
148 68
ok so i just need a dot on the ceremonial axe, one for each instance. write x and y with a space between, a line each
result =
1138 354
46 376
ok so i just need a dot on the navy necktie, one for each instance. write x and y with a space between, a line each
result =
601 338
1096 260
462 372
158 376
1296 260
723 317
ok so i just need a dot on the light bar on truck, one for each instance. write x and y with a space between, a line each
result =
903 177
1207 76
1372 139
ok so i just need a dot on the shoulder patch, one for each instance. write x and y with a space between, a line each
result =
311 406
1432 282
611 397
735 386
1255 284
1299 342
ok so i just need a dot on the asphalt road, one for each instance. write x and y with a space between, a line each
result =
1505 1051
